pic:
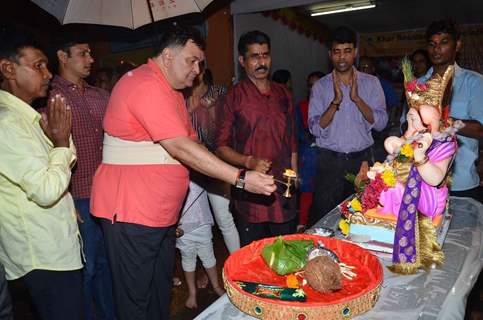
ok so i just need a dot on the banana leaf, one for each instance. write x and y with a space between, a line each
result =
286 256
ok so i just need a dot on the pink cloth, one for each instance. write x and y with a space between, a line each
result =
433 199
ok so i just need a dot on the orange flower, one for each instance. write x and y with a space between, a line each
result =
292 281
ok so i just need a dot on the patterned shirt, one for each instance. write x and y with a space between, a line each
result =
205 116
261 125
88 107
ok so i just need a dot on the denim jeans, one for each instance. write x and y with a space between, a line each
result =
97 283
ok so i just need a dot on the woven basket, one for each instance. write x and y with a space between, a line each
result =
263 308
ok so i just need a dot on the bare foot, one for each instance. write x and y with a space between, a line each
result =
202 282
191 302
176 282
219 291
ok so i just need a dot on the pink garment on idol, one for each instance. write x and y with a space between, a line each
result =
432 200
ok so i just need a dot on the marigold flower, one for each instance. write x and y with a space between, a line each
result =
292 281
344 226
389 178
407 151
356 205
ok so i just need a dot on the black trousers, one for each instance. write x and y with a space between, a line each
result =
475 193
6 312
250 232
141 259
331 187
57 295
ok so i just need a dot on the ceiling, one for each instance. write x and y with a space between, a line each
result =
391 15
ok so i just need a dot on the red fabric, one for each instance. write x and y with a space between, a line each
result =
88 107
305 199
247 264
143 107
304 110
262 126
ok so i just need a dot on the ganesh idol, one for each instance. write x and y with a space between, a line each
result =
416 174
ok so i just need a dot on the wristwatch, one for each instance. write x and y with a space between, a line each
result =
240 181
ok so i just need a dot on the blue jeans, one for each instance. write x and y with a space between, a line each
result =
97 283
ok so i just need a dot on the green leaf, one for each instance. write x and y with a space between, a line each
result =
286 256
351 177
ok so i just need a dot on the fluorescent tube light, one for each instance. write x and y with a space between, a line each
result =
339 9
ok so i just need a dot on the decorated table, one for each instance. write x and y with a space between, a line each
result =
440 294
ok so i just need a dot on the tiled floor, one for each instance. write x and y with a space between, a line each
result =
23 309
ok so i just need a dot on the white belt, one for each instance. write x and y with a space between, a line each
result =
119 151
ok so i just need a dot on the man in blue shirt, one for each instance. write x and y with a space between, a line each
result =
344 107
466 105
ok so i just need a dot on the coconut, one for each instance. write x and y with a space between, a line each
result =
323 274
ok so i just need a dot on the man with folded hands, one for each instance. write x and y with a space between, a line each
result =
344 106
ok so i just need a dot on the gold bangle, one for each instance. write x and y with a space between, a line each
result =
420 163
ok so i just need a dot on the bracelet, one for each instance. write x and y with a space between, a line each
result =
237 176
240 181
420 163
336 105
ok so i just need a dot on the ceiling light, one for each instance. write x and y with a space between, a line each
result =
337 8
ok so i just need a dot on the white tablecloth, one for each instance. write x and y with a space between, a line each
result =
440 294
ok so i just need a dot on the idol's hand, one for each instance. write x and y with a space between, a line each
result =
421 146
260 183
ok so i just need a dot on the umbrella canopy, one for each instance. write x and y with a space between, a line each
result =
123 13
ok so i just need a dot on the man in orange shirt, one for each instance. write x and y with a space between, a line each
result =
139 188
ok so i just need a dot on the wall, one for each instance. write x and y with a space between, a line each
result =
290 50
219 51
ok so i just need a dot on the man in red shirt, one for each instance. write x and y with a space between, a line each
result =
257 132
140 186
88 105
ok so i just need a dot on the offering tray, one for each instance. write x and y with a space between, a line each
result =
356 296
